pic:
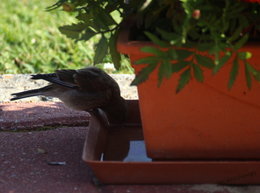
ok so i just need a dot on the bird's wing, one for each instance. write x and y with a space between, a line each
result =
61 77
44 76
66 75
84 82
95 79
86 79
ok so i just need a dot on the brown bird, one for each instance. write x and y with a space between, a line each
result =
87 89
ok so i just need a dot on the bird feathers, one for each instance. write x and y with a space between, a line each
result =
84 89
30 93
57 78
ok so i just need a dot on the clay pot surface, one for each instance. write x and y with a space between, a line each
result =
203 121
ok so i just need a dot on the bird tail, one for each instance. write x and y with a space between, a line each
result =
29 93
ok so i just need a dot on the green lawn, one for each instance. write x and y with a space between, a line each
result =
31 42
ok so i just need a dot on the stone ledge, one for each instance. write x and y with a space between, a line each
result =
12 83
36 115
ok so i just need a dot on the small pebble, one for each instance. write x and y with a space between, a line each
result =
41 151
57 163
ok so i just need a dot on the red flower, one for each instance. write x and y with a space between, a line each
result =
252 1
196 14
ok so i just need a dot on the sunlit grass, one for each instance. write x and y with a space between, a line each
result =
31 42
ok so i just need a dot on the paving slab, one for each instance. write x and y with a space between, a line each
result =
40 115
29 156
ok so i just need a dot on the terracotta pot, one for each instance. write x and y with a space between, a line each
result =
203 121
113 160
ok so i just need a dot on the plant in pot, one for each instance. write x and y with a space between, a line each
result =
198 70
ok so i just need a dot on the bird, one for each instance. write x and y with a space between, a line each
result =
87 89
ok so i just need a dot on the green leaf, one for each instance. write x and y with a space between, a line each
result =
169 36
216 48
87 34
106 17
251 69
204 61
244 55
222 61
236 34
101 50
233 73
102 19
239 27
98 22
197 72
72 31
204 46
156 40
147 60
241 42
176 67
172 54
183 54
165 70
115 55
83 16
248 76
144 74
184 80
257 76
152 50
254 72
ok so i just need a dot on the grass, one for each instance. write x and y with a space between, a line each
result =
31 42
